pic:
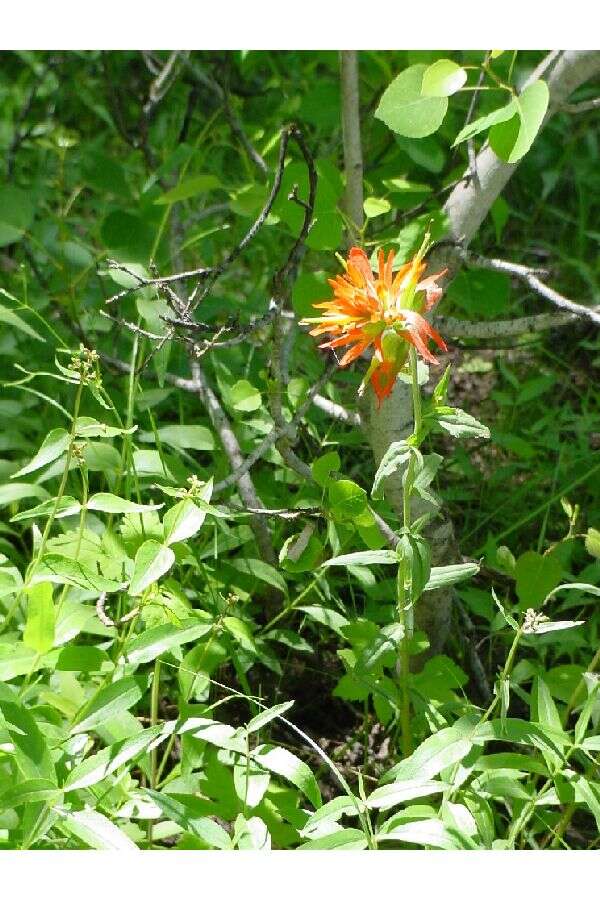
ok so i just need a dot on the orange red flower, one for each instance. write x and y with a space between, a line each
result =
382 310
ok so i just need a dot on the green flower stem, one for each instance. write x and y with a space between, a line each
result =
154 701
405 612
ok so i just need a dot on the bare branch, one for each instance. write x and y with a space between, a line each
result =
353 161
584 106
530 278
335 411
232 449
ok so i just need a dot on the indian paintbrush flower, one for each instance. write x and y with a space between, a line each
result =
383 311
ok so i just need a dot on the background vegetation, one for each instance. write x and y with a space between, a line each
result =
177 666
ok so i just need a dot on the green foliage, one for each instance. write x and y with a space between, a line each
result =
167 676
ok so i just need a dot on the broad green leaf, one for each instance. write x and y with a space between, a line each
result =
106 761
16 659
324 466
84 658
458 423
182 437
536 577
484 122
156 641
444 576
364 558
95 830
592 542
324 616
12 493
32 754
110 503
443 78
16 213
152 561
244 397
217 733
511 139
87 427
11 319
106 704
183 521
395 458
348 501
376 206
442 749
406 111
191 187
426 833
241 633
261 570
61 569
390 795
345 839
252 834
590 791
39 628
66 506
183 810
281 762
33 790
54 445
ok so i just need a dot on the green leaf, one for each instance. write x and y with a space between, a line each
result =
11 319
390 795
31 753
182 437
16 659
426 833
395 457
458 423
66 506
281 762
261 570
376 206
61 569
323 467
442 749
110 503
33 790
536 577
16 214
95 830
244 397
39 628
443 78
590 792
406 111
348 501
87 427
267 715
54 445
183 521
484 122
152 561
156 641
102 764
191 187
592 542
328 617
12 493
81 659
107 704
345 839
444 576
184 810
364 558
511 139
